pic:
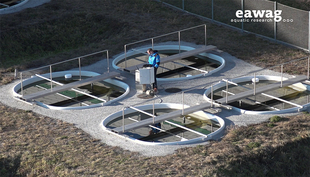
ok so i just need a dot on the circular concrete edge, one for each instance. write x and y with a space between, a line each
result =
23 5
15 6
172 47
164 106
73 73
261 77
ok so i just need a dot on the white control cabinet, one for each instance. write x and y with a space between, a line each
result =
145 75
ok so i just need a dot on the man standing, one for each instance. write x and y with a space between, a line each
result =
154 60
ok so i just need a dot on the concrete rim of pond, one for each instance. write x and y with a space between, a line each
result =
164 106
14 6
172 47
34 79
260 77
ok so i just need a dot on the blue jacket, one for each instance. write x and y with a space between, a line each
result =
154 59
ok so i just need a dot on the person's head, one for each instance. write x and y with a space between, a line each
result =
150 51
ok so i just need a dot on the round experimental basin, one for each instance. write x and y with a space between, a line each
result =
168 106
176 48
222 84
64 74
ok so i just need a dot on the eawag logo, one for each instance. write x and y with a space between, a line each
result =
259 16
276 15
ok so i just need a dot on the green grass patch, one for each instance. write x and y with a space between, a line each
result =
274 119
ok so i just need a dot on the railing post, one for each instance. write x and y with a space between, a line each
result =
182 103
211 96
226 91
308 68
15 73
254 84
108 61
152 43
51 77
179 34
80 68
205 35
125 56
242 7
183 5
123 120
281 76
154 112
212 10
21 84
274 22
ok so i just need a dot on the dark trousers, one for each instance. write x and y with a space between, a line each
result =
155 80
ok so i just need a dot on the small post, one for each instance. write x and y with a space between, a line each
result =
254 84
281 75
275 23
183 103
125 56
242 7
308 68
212 10
51 77
124 120
205 35
183 5
152 43
179 34
211 96
108 61
15 73
80 68
226 91
154 112
21 84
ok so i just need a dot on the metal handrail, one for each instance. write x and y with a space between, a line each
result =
4 5
50 67
76 58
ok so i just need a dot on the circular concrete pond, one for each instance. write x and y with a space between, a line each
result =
187 68
97 94
199 126
282 100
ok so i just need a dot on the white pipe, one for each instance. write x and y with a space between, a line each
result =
294 104
158 129
144 112
72 88
203 71
185 128
63 95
